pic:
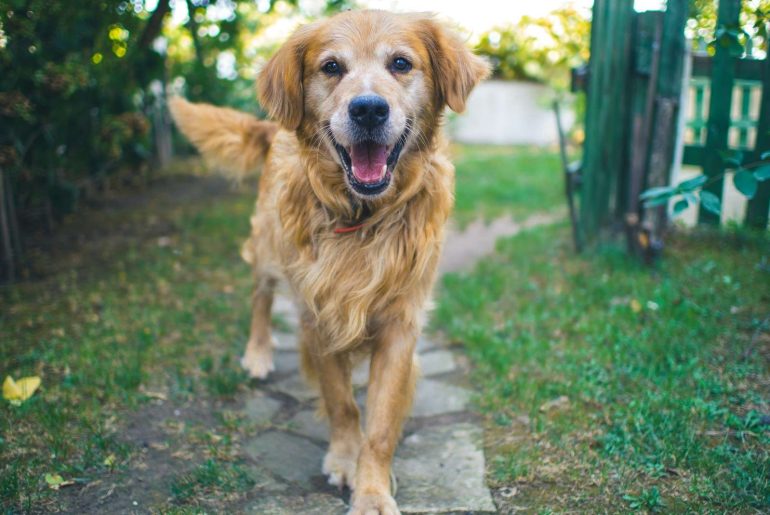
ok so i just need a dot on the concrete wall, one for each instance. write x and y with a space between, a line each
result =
508 113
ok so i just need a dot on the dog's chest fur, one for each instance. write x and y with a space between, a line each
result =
356 281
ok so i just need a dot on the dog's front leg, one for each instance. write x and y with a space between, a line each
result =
392 377
345 430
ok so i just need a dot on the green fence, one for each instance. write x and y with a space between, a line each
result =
634 95
729 111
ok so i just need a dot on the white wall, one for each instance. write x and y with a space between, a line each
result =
509 113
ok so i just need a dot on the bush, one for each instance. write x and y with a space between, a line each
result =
539 49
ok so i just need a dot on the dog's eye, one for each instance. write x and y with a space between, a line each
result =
331 68
400 65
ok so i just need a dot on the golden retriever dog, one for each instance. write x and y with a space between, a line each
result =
354 194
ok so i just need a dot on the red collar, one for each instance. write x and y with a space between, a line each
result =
346 230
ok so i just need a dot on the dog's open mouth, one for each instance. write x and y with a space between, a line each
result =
369 165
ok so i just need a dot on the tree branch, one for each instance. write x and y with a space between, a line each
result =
155 24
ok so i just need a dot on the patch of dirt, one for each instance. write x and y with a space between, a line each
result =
107 226
164 442
463 248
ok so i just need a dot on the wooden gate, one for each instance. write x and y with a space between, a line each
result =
634 93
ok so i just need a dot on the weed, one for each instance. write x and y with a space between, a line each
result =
210 478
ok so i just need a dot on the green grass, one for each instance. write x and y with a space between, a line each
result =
665 372
154 317
212 477
497 180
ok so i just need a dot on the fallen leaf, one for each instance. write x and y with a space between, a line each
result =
109 461
55 481
19 391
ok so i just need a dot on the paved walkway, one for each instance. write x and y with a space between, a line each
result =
439 464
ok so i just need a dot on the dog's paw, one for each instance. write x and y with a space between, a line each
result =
258 362
340 467
373 505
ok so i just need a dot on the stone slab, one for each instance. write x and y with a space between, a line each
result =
285 341
425 344
360 375
264 481
437 398
307 424
287 456
437 362
296 387
285 361
441 470
286 309
432 362
312 504
260 408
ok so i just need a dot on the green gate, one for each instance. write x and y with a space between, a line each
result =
634 93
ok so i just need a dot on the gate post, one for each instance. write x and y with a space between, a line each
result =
757 210
606 127
722 78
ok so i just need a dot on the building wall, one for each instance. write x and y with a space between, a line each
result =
508 113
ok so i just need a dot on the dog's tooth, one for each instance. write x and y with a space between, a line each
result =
353 169
384 170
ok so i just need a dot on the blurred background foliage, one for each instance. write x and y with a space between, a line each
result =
545 49
750 34
82 87
539 49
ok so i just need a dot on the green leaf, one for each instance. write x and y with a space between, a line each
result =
680 206
657 201
660 191
691 184
762 173
746 183
710 202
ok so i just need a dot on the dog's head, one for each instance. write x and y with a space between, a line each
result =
367 87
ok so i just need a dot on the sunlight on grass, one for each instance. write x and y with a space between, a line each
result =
495 180
608 384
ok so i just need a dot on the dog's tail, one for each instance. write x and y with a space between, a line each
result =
234 142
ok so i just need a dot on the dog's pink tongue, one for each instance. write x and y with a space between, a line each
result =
369 162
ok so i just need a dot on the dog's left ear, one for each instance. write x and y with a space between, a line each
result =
456 70
280 82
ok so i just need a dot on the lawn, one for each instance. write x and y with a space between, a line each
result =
151 305
612 387
494 181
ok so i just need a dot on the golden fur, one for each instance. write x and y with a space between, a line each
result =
360 293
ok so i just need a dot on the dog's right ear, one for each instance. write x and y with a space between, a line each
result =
280 82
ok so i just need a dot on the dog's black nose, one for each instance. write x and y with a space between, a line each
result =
369 111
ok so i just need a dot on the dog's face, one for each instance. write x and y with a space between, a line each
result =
367 87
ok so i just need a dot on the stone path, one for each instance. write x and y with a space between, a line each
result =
439 464
464 248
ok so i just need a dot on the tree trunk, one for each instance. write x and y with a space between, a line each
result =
155 24
5 233
192 26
